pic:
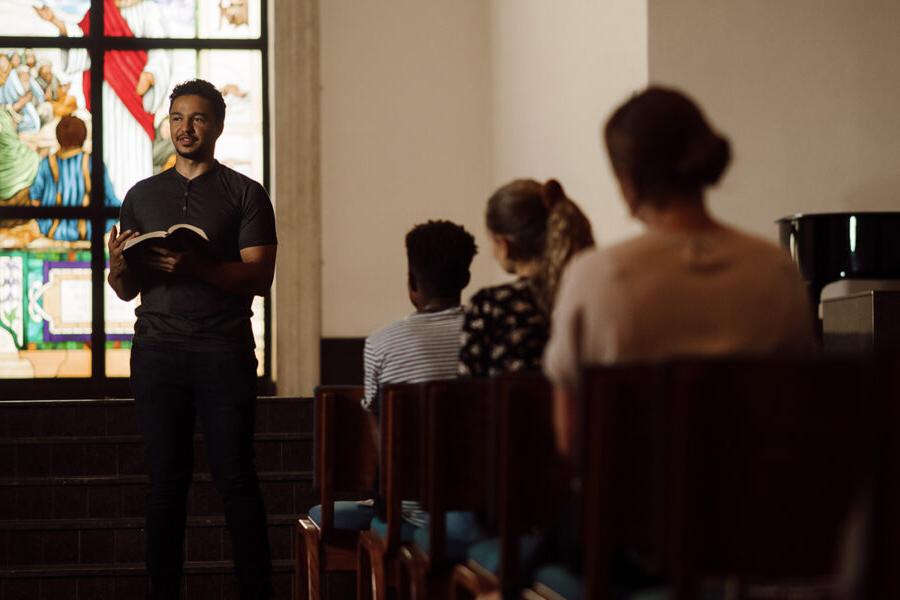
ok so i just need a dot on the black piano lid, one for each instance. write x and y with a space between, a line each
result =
828 247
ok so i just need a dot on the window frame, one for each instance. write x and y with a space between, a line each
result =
99 385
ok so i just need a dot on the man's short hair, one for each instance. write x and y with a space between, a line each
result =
439 255
200 87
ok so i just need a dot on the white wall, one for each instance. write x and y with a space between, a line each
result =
405 138
428 106
560 68
807 90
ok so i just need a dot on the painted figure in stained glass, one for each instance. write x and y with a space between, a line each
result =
64 179
18 163
20 93
135 83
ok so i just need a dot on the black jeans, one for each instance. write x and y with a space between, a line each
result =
170 387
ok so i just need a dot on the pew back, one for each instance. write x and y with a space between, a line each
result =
458 447
532 481
758 464
403 462
346 453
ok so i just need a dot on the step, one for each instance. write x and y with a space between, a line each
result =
41 418
93 455
110 541
202 581
124 496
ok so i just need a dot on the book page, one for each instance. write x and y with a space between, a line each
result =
189 227
144 236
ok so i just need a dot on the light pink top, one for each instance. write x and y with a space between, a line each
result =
668 294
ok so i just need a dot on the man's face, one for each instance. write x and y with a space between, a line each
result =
193 127
5 66
30 59
45 74
15 60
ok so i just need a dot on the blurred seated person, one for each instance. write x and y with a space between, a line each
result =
506 326
689 285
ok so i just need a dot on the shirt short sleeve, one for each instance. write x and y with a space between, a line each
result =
257 219
373 364
126 214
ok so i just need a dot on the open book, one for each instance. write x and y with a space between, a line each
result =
179 237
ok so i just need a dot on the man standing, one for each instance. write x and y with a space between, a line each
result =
193 345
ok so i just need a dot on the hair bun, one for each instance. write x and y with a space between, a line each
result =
705 162
553 193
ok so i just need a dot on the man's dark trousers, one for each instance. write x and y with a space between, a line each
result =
171 385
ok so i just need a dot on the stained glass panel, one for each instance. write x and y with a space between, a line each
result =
235 19
32 102
24 17
119 318
45 302
136 137
120 328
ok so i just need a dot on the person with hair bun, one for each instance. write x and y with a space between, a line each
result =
689 285
534 229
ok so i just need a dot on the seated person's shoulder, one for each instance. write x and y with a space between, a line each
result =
596 265
396 331
498 295
762 249
384 333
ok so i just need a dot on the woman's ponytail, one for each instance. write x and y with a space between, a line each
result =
568 232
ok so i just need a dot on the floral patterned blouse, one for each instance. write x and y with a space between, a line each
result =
504 331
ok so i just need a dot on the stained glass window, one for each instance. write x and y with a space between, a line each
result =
58 200
45 300
221 19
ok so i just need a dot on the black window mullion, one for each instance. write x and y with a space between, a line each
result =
264 60
98 258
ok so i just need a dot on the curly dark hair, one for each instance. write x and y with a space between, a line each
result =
200 87
439 255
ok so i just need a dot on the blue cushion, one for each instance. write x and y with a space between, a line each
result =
560 580
347 515
463 530
487 552
565 583
406 529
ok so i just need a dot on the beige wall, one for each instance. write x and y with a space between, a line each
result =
405 138
807 90
428 106
559 70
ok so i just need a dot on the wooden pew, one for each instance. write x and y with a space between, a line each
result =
346 458
530 481
752 468
402 465
886 529
457 448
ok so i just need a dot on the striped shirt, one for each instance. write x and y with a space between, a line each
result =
421 347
